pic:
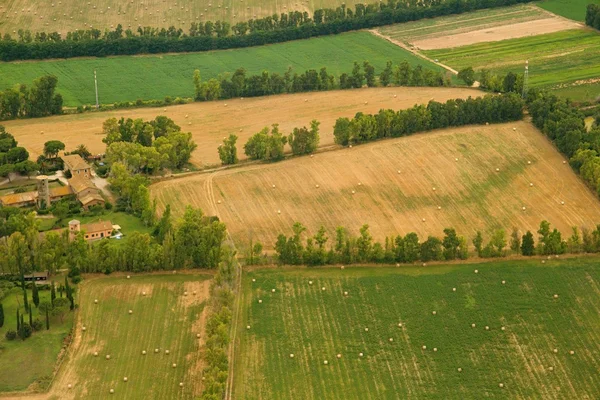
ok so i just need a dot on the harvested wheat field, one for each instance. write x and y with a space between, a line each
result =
161 318
209 122
399 185
490 25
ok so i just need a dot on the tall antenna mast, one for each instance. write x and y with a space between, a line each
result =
96 85
525 78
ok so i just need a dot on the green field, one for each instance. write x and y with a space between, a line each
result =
573 9
316 325
163 319
554 59
23 363
156 76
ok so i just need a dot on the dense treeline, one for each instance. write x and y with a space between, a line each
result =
592 16
13 158
349 249
193 242
239 84
564 124
388 123
220 35
38 101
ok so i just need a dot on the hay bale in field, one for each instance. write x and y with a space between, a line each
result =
360 354
435 349
143 293
143 352
529 162
345 293
400 325
571 352
180 384
391 339
459 369
476 271
317 186
130 311
502 328
310 282
353 192
562 203
550 369
473 325
556 296
503 282
497 169
323 288
167 352
253 279
108 357
454 289
399 171
174 365
128 276
423 219
366 329
125 379
260 301
395 96
197 335
247 326
291 355
339 356
96 301
95 354
155 350
487 328
555 351
434 312
325 362
111 391
69 386
530 184
272 290
523 208
501 385
439 207
424 347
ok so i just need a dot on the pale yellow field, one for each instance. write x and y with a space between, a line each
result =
471 194
209 122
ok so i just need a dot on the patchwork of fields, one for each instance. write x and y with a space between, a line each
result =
454 169
128 78
555 60
317 322
167 317
69 15
209 122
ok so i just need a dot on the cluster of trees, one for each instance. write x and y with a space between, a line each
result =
147 146
219 35
193 242
13 158
388 123
508 83
347 248
592 16
39 100
239 84
218 326
269 145
564 124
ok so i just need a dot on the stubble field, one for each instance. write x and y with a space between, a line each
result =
163 319
209 122
519 362
471 193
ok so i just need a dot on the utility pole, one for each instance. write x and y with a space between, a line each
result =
525 78
96 85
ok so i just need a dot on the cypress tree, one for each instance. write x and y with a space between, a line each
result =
25 302
22 321
52 293
47 320
31 317
18 321
35 295
1 315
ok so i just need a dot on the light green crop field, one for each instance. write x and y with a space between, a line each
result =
24 362
164 318
68 15
129 78
318 322
573 9
556 60
467 22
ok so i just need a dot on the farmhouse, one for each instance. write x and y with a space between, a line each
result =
76 165
92 231
37 276
85 191
19 199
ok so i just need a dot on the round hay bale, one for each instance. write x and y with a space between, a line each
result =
317 186
218 201
194 292
143 352
273 186
247 326
501 385
111 391
260 301
353 192
504 282
108 356
125 379
476 271
174 365
339 356
400 325
167 352
291 355
523 208
454 289
180 384
424 347
305 100
564 162
424 264
323 288
278 211
366 329
95 354
325 362
456 159
272 290
185 293
434 312
397 264
310 282
359 184
502 328
487 328
391 339
342 267
514 129
69 386
435 349
253 280
439 207
399 171
459 369
473 325
360 354
197 335
497 169
83 328
555 351
562 203
96 301
366 102
345 293
128 276
350 146
143 293
433 188
528 162
530 184
395 96
550 369
423 219
130 311
555 296
571 352
156 350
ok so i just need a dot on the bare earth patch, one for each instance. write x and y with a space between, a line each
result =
498 33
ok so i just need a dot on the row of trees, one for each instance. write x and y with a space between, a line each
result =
508 83
195 241
239 84
13 158
209 36
39 100
388 123
564 124
592 16
347 248
147 146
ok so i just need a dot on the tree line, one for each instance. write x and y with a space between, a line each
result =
13 158
40 100
388 123
239 84
347 248
592 16
564 124
219 35
489 81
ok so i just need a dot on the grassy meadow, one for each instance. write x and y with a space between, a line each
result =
128 78
316 325
573 9
555 60
24 362
165 318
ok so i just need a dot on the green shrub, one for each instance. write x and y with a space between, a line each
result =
25 331
37 325
10 335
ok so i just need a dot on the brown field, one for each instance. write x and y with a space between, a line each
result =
209 122
496 34
471 194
